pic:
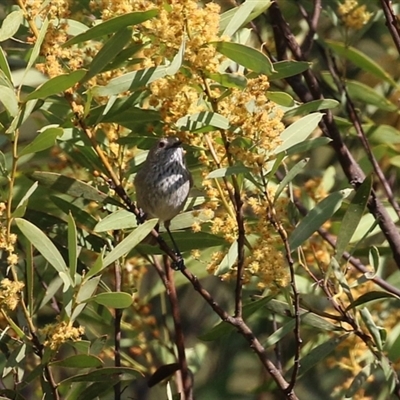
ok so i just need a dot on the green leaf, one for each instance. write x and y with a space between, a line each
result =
108 52
72 246
221 172
112 25
38 45
299 167
361 60
103 374
56 85
80 216
4 66
280 333
43 244
10 25
368 95
376 332
246 56
226 17
229 80
113 300
79 361
45 139
23 114
319 354
130 242
228 261
71 186
201 120
285 69
243 14
298 131
371 296
121 219
307 317
312 106
281 98
316 218
9 100
308 145
21 207
130 81
352 217
360 379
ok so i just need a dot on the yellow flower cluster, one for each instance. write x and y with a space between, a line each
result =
353 15
10 294
60 332
258 119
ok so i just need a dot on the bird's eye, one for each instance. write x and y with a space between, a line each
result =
161 145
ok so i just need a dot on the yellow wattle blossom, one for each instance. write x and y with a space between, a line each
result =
353 15
10 294
61 332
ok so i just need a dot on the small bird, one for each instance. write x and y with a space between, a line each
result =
164 181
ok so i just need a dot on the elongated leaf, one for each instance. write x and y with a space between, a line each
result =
130 242
246 56
376 332
228 261
368 95
130 81
299 167
361 60
43 141
242 14
229 80
38 44
316 217
79 361
298 131
280 333
284 69
371 296
308 145
202 119
103 374
221 172
56 85
10 25
9 100
73 187
4 67
43 244
281 98
113 300
360 379
121 219
112 25
23 114
319 354
353 216
312 106
21 207
226 17
108 52
72 246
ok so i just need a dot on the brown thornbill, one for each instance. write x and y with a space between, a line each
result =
163 182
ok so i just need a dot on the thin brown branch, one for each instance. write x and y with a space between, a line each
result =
117 326
361 134
187 382
392 22
350 167
312 21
